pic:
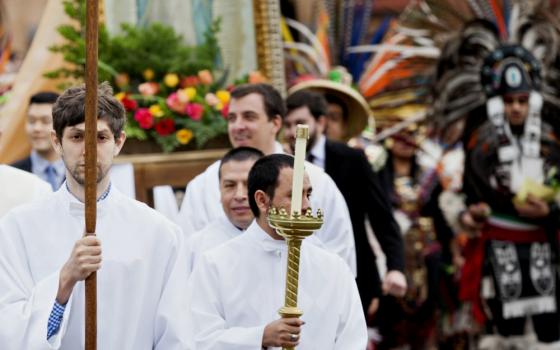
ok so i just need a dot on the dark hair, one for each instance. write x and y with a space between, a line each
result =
264 176
69 109
314 101
44 97
240 154
334 99
273 102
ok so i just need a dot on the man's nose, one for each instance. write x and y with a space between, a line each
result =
305 204
237 124
240 192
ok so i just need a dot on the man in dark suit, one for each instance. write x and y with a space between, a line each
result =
43 161
360 187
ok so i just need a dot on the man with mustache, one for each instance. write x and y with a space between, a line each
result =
44 257
254 120
233 174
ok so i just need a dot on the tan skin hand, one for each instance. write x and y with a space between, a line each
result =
84 259
474 218
394 283
279 333
533 208
373 307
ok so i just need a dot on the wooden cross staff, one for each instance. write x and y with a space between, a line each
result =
92 22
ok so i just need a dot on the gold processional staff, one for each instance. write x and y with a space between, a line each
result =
294 227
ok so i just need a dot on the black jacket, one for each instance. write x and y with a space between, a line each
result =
361 188
23 164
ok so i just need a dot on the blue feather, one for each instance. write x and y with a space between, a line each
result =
362 58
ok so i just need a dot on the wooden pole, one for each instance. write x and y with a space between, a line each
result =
92 22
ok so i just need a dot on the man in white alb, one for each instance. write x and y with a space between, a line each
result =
44 257
233 174
236 289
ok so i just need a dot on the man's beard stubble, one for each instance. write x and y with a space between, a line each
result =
81 179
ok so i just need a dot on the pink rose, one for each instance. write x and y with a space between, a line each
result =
211 99
175 104
144 118
149 88
195 111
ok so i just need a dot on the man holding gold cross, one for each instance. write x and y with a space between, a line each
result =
236 289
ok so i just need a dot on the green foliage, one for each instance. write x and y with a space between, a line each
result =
74 48
156 47
134 131
167 143
159 48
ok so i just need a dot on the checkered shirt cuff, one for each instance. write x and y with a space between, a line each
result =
55 319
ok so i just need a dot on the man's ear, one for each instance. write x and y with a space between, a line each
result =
262 200
56 143
119 143
277 123
321 124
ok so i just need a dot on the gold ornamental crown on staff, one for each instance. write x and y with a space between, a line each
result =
295 227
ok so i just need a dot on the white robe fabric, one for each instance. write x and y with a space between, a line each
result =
18 187
213 235
140 285
201 205
236 289
217 233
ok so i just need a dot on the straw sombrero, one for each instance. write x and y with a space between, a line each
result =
358 109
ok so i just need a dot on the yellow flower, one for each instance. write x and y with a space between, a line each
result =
156 111
184 136
219 106
223 96
148 74
120 96
190 92
171 80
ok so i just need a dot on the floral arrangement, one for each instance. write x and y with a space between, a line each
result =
178 109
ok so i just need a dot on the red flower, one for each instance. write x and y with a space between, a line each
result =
144 118
129 104
225 110
195 111
165 127
191 80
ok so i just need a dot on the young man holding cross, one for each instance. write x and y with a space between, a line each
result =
44 257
